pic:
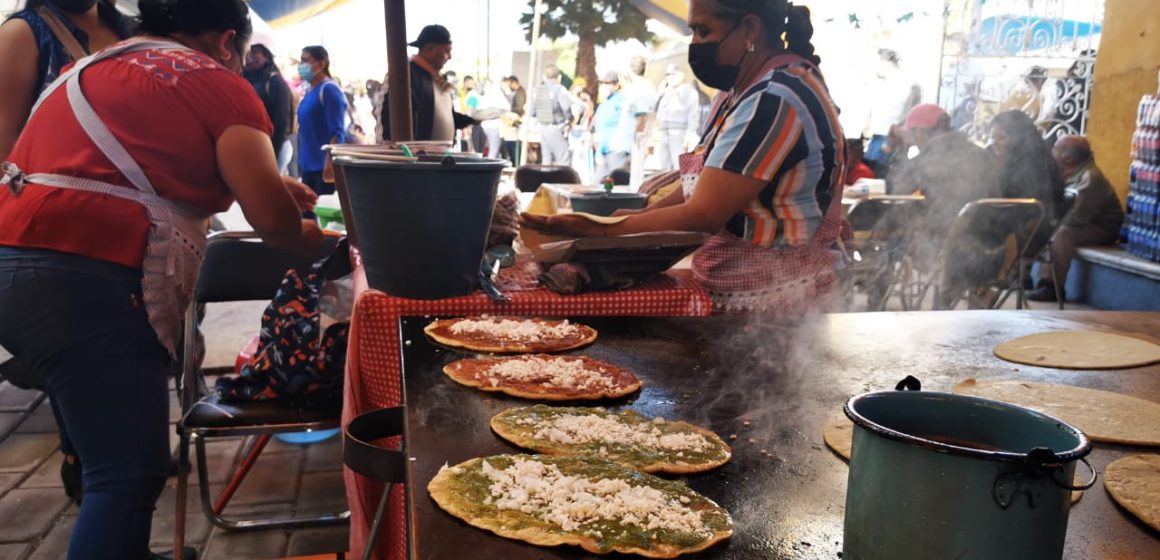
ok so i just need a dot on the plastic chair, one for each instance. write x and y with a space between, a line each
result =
530 177
999 229
375 462
237 267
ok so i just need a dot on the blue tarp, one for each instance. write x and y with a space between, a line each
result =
285 12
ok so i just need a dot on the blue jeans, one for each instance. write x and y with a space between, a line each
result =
80 322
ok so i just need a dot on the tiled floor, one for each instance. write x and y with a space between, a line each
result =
36 518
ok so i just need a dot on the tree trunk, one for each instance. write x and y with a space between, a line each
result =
586 59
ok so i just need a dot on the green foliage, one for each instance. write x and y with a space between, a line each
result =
611 20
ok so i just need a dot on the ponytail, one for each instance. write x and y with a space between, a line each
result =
798 32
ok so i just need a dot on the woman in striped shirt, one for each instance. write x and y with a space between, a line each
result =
766 179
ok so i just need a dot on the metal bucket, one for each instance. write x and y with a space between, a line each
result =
422 225
924 485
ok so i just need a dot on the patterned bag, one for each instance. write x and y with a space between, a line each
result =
298 359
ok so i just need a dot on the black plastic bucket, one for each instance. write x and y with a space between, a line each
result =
422 225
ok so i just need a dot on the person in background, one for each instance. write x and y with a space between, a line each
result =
552 109
465 92
492 102
518 98
98 258
949 170
276 96
580 137
611 154
679 117
1027 95
453 79
896 96
321 119
31 40
1026 167
856 168
433 114
774 159
1094 219
641 104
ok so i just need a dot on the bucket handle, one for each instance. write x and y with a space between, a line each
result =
1040 463
910 383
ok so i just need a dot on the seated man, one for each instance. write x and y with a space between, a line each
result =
1095 216
949 171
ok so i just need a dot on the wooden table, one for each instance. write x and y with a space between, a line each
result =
787 382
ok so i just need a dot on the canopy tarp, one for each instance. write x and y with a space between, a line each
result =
283 13
673 13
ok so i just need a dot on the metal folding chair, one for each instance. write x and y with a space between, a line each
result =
882 226
237 267
998 229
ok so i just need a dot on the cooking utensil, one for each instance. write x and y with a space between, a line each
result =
938 475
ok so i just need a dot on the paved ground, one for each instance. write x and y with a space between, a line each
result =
287 480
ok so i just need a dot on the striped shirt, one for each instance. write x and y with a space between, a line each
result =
783 130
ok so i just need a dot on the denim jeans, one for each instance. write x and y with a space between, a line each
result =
81 323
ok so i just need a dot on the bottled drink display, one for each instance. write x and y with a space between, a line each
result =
1142 223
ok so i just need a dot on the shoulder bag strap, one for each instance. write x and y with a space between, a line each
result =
62 34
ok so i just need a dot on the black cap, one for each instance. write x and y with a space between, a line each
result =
436 34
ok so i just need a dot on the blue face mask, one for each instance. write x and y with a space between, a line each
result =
305 72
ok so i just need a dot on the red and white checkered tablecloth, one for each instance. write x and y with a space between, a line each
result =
374 364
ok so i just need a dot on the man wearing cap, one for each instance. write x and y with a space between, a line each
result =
679 117
606 123
552 109
950 171
433 115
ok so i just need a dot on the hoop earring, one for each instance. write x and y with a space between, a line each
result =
749 47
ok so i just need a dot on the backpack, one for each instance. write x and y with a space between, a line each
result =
294 360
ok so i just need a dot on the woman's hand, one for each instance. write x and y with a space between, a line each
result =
563 225
303 195
627 212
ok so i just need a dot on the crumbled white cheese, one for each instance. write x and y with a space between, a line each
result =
589 428
542 490
515 329
567 373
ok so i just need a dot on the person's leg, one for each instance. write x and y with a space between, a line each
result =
560 144
285 154
81 323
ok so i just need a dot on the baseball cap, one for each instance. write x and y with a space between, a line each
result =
432 34
610 77
926 115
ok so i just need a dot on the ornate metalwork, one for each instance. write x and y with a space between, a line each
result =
1037 56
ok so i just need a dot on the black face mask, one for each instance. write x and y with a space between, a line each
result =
75 6
703 62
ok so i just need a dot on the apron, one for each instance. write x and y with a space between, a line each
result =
741 277
177 234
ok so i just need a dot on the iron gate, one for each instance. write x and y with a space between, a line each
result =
1037 56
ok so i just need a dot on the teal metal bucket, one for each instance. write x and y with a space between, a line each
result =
938 475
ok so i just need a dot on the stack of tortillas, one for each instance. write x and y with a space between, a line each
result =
1134 482
1080 350
839 437
1103 416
